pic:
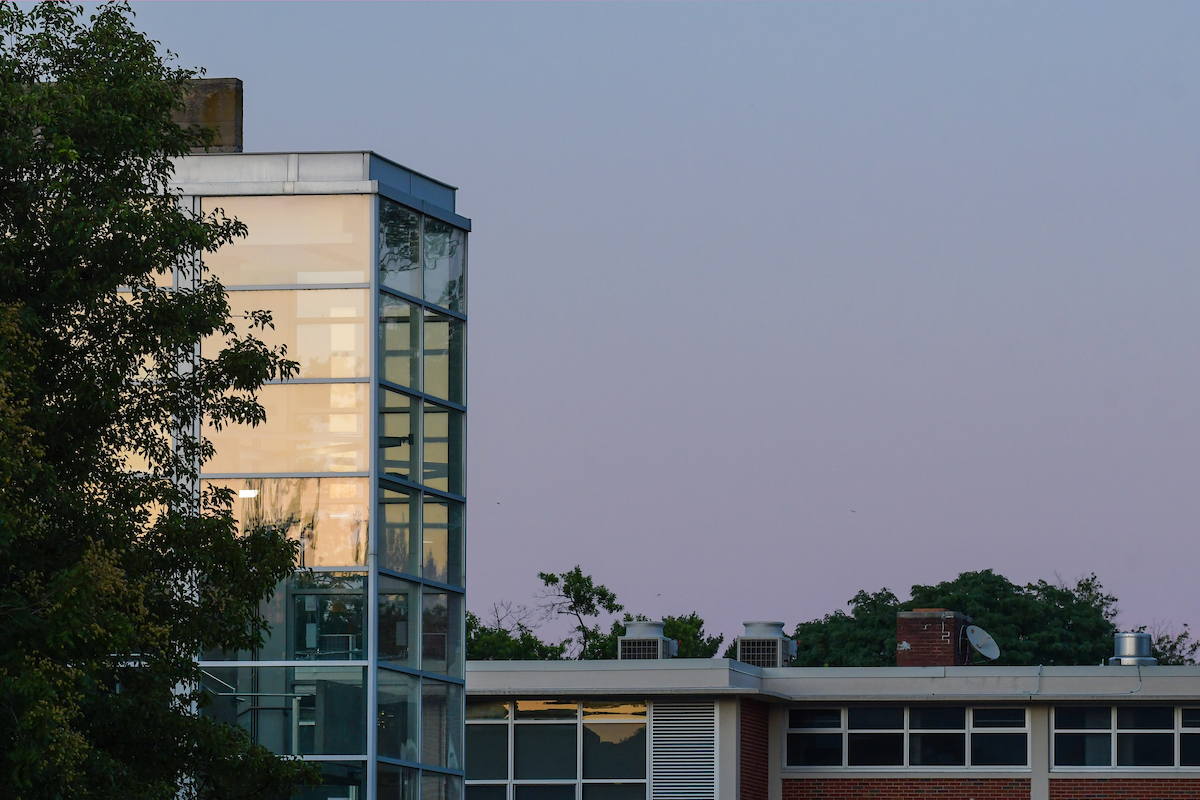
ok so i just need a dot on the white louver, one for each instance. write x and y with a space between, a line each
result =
683 751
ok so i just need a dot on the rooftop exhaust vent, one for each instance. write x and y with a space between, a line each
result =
1132 650
645 640
764 645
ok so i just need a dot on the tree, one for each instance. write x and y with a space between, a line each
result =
688 631
576 595
507 637
1174 649
116 567
1039 623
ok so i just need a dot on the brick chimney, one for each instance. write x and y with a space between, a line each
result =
215 103
932 637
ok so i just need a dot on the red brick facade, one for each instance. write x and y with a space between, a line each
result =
931 637
1124 788
754 774
909 789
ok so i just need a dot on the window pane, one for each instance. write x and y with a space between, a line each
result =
1145 749
327 515
398 549
445 251
342 779
327 617
1082 717
1082 750
937 749
399 247
397 711
535 792
440 787
937 718
613 709
544 752
399 341
614 750
998 717
614 791
547 709
487 792
442 532
875 749
998 750
814 750
815 718
397 621
1191 717
398 434
1146 717
487 752
445 351
309 428
1189 750
294 239
441 724
443 445
324 330
486 709
875 717
397 783
441 644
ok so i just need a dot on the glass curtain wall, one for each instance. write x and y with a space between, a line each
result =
361 460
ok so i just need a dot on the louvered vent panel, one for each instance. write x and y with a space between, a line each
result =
683 751
759 652
639 648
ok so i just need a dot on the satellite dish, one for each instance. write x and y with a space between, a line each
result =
983 642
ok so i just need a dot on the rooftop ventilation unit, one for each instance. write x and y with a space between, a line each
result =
764 645
645 640
1132 650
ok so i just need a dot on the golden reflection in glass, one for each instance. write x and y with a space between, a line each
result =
445 348
327 515
324 330
399 341
294 239
613 709
441 531
547 709
397 548
309 428
442 435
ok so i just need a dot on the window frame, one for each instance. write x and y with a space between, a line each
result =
1177 731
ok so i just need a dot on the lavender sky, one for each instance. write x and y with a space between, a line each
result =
770 303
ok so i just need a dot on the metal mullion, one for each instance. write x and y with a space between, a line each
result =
411 392
294 287
579 749
421 301
371 337
215 476
404 483
310 381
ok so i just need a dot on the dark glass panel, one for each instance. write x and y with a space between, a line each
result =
397 783
1189 750
1191 717
398 714
1082 750
1145 749
487 792
486 709
441 724
815 718
487 752
1160 718
441 627
614 791
1082 717
926 718
998 717
937 749
341 779
875 749
397 621
814 750
535 792
614 750
544 752
998 750
875 718
435 786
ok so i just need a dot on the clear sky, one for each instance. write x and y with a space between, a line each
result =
770 303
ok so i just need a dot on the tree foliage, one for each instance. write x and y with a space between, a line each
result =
116 569
575 595
497 642
1038 623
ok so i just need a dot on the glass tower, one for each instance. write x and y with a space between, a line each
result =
361 460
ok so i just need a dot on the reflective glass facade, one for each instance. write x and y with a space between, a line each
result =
362 460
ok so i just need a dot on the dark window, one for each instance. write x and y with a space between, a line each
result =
487 792
998 750
614 750
544 752
998 717
1189 750
937 749
1146 717
875 749
1191 717
876 718
487 752
486 709
1145 749
1082 749
614 791
926 718
815 718
814 750
1082 717
559 792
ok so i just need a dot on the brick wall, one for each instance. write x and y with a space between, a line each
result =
907 789
1124 788
753 768
931 637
